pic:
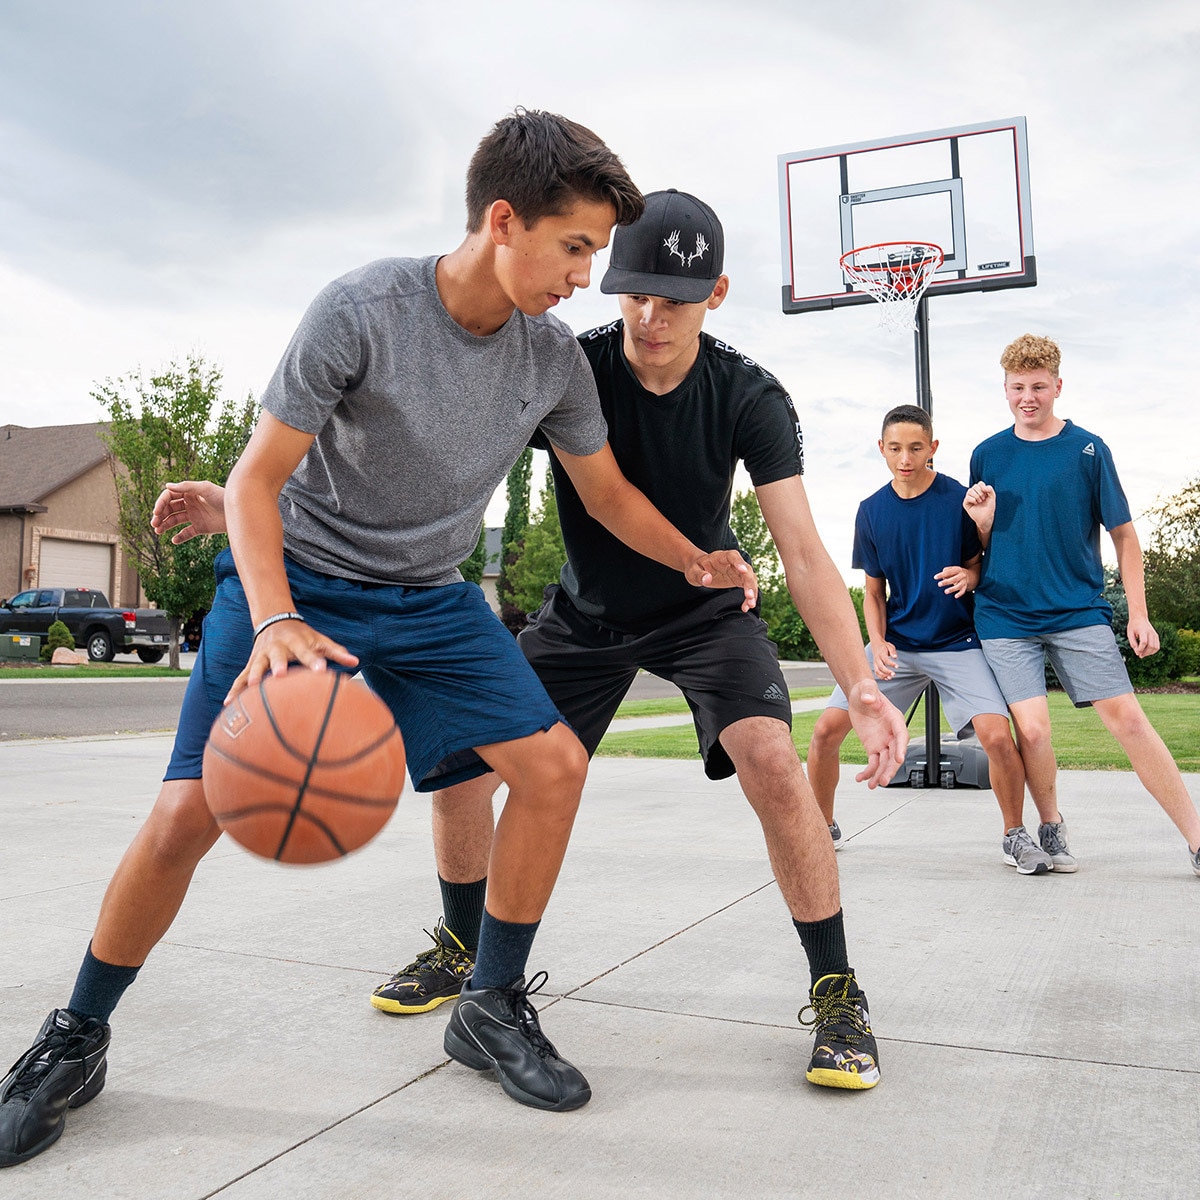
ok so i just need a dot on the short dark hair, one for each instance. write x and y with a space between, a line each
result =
541 163
908 414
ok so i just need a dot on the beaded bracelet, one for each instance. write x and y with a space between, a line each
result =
280 616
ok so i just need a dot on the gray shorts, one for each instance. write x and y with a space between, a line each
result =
965 684
1086 661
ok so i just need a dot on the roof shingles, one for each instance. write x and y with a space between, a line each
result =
34 463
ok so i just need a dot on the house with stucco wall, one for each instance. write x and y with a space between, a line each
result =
58 513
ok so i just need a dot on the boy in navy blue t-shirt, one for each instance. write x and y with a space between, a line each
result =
1040 492
920 553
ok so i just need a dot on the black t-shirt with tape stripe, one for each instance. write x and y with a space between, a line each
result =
682 450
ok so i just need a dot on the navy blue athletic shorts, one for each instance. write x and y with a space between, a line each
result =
438 656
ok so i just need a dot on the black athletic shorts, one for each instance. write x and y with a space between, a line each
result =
717 655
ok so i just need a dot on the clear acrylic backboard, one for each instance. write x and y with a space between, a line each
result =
964 189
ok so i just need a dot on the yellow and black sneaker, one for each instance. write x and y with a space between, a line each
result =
432 978
844 1052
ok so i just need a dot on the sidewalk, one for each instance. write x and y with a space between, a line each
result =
1038 1036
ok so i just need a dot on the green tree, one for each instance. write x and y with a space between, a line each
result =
542 556
472 570
1173 559
516 525
785 626
172 426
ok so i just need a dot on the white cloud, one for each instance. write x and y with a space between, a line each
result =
186 177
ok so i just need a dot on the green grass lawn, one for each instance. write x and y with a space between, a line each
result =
112 670
1080 741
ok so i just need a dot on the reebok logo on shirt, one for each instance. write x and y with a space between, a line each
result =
1090 448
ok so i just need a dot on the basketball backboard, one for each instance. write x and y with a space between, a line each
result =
964 189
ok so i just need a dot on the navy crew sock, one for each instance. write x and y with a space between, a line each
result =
504 948
462 909
99 987
825 944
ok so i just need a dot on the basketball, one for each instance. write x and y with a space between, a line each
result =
304 767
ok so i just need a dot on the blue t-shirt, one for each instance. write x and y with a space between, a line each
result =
907 542
1042 571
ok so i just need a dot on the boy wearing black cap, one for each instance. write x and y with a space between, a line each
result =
682 409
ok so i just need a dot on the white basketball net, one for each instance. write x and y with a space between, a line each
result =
896 274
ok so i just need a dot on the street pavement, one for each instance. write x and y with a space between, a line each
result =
73 707
1039 1036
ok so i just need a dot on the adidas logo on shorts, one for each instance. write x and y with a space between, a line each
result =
774 693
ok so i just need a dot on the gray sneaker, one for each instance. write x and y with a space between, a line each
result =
1054 841
835 832
1194 859
1022 852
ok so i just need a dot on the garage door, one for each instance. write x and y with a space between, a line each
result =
75 564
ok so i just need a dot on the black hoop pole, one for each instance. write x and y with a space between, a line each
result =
933 714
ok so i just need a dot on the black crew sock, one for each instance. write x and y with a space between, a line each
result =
462 909
825 944
504 948
99 987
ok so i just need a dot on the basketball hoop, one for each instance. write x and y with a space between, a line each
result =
896 274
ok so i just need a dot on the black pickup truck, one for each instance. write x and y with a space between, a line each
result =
94 624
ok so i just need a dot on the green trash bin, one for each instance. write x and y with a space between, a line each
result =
20 646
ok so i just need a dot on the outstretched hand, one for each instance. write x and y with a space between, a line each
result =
881 729
192 506
725 569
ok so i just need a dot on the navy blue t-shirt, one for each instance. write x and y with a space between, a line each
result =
1042 572
907 542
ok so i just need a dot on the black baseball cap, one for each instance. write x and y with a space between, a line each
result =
676 249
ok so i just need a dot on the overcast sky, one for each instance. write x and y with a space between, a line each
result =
180 178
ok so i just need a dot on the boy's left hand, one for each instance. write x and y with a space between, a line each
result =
881 729
1143 637
724 569
957 581
196 505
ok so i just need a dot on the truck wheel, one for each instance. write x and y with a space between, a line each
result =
100 646
151 656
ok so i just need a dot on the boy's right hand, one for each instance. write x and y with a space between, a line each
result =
724 569
284 643
196 505
883 659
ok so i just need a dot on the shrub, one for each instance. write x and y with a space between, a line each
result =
57 635
1189 652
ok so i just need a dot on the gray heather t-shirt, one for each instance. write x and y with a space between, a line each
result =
416 420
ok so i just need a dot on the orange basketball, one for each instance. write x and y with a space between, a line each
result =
305 767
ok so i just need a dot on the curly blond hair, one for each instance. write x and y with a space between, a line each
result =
1031 353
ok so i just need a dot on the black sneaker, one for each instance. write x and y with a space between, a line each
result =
64 1068
844 1052
497 1029
432 978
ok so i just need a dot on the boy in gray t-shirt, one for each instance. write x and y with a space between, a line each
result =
405 396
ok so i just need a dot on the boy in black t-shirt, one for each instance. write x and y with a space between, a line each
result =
682 409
